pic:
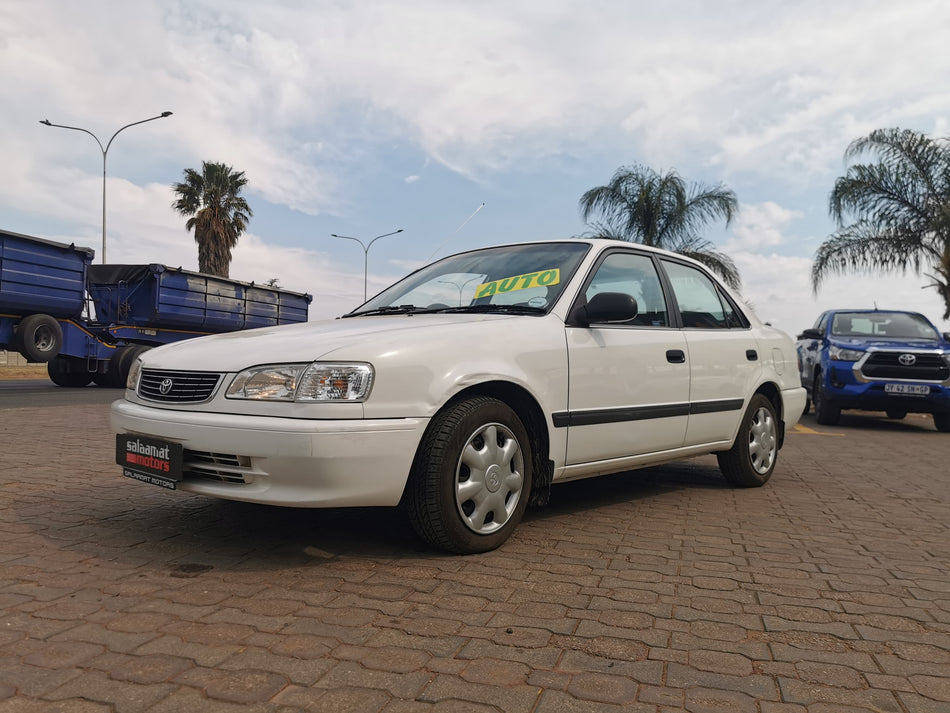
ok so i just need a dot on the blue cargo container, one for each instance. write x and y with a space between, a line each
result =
90 322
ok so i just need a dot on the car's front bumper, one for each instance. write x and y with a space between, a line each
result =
284 461
845 392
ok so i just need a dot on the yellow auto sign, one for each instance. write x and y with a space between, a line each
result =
518 282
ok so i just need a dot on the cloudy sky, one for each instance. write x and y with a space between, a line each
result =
361 118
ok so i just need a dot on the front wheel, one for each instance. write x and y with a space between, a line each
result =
942 422
471 478
826 413
751 460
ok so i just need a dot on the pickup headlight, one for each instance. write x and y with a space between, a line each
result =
842 354
315 382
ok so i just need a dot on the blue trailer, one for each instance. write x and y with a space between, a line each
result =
89 322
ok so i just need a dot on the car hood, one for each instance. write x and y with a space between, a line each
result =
886 344
355 338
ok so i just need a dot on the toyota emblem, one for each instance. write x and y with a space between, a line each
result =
907 359
167 384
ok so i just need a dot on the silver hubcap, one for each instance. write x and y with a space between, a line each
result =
489 479
762 441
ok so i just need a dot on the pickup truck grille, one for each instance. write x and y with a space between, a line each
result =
887 365
179 387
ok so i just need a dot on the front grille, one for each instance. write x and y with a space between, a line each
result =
180 387
886 365
223 467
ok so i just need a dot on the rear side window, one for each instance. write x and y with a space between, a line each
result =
702 304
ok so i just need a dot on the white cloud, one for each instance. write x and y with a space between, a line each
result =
759 226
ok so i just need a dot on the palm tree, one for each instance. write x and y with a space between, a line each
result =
641 206
901 210
219 215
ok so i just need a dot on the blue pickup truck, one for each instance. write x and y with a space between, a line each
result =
876 360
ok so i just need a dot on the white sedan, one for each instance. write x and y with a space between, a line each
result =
468 388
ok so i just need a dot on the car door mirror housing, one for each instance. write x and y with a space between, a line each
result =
608 308
811 334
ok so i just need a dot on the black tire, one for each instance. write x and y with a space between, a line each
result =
826 413
751 460
120 363
68 371
807 406
463 509
942 422
895 414
39 338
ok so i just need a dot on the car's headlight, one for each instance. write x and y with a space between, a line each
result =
132 382
315 382
842 354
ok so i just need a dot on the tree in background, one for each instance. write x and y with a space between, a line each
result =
639 205
215 209
901 210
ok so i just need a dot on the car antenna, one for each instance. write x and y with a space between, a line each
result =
456 231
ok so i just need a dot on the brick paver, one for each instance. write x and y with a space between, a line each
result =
662 590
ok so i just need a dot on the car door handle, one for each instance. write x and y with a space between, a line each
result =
675 356
751 355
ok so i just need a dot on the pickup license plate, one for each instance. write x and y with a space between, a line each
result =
907 389
150 460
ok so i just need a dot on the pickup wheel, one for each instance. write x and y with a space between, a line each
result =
471 478
826 413
896 415
942 422
38 337
751 460
68 371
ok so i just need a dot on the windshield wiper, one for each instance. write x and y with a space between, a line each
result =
513 309
388 309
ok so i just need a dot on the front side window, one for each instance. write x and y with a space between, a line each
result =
701 303
633 275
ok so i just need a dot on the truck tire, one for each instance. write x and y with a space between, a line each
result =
121 363
826 413
38 338
942 422
68 371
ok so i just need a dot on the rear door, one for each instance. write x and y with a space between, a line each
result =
722 351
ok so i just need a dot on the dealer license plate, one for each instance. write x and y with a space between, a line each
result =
907 389
151 460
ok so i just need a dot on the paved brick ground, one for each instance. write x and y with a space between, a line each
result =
827 590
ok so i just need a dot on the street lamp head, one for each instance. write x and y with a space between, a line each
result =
166 113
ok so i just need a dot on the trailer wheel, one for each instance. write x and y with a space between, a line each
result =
68 371
39 337
121 363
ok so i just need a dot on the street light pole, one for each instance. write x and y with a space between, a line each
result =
365 252
105 152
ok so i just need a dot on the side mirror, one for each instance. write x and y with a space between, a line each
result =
811 334
609 307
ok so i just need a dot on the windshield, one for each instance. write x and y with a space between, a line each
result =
893 325
527 277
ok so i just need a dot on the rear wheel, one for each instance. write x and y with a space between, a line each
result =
751 460
471 479
826 413
68 371
121 362
38 337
